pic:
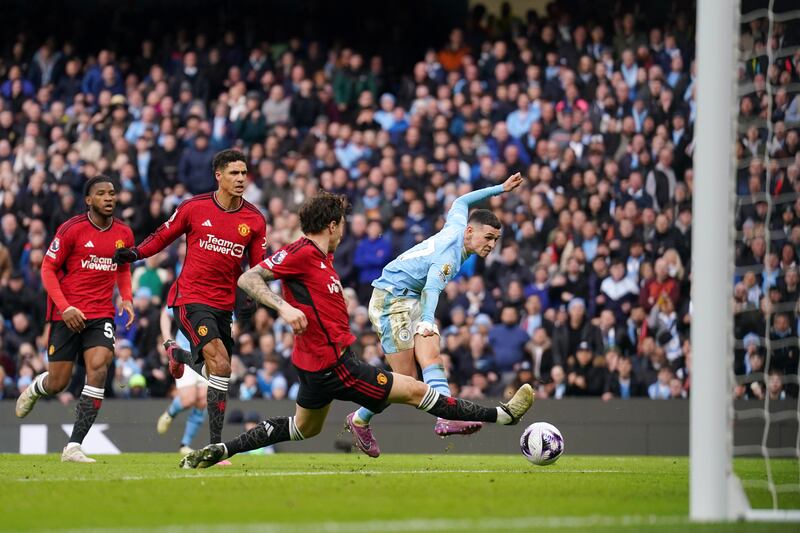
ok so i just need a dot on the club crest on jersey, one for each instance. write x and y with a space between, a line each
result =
202 331
382 379
51 350
119 244
244 230
445 272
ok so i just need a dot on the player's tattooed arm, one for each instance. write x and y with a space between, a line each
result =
255 283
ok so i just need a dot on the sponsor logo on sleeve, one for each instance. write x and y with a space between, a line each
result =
55 246
279 257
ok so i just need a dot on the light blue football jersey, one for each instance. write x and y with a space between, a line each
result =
424 270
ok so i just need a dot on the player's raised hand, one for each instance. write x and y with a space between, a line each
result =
512 182
127 307
126 255
74 318
294 317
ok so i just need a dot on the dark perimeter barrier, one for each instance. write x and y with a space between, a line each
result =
618 427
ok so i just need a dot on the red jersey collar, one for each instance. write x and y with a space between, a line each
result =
316 247
216 202
98 228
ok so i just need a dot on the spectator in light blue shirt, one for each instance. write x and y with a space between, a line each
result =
385 116
138 127
629 69
519 121
349 151
660 389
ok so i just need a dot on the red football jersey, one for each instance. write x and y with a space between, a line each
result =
216 241
80 255
312 285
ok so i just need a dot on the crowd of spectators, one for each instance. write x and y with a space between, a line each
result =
587 293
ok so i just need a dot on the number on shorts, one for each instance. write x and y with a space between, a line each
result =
108 330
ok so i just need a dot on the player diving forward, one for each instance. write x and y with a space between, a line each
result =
327 368
404 300
79 278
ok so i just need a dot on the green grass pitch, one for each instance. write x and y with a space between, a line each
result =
351 493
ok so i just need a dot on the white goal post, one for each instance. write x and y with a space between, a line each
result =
715 491
711 439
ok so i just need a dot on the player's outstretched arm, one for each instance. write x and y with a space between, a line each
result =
162 237
462 203
254 283
434 285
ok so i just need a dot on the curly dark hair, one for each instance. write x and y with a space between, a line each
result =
225 158
320 210
91 182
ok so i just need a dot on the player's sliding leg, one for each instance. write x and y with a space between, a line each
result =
97 361
412 392
48 383
427 353
218 363
357 422
305 423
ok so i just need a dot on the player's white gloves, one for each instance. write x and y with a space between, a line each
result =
426 329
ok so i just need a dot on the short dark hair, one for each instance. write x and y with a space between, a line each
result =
91 182
225 158
320 210
485 217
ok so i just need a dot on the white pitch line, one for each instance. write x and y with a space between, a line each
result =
219 473
444 524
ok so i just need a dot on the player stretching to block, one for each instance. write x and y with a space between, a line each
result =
191 387
327 368
79 278
404 300
219 227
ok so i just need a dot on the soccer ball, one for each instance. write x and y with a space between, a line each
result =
541 443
